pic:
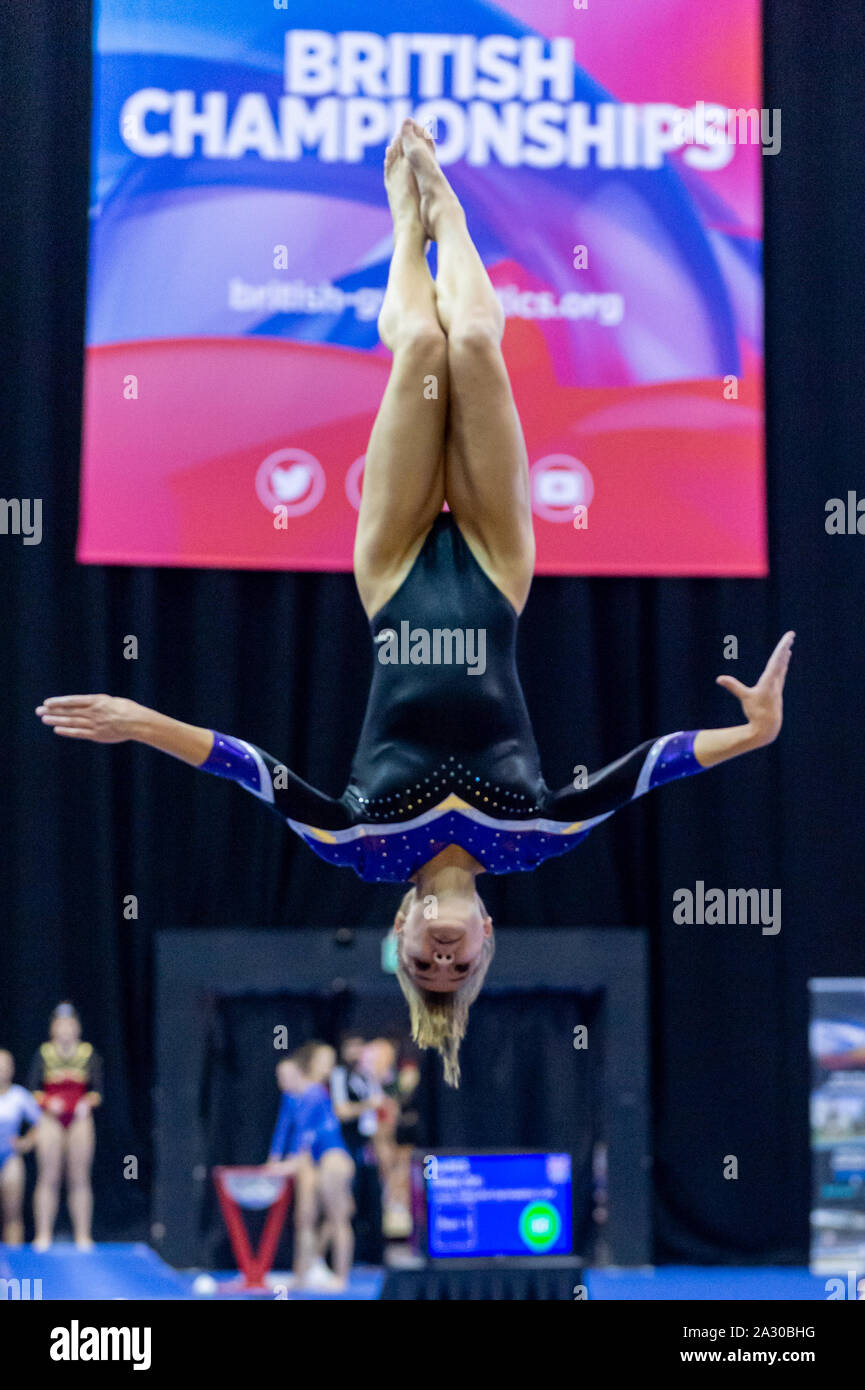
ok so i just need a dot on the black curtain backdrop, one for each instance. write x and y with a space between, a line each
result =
283 660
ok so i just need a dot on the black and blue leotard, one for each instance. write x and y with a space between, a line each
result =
446 755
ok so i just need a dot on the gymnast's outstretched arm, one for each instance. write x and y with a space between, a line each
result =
112 719
678 755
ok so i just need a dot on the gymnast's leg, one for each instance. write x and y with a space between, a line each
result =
12 1199
403 483
81 1142
50 1153
306 1205
335 1175
486 466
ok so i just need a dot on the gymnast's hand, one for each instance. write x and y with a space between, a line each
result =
282 1167
100 718
111 719
763 704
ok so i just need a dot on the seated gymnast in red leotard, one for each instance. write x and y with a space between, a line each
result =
66 1079
446 782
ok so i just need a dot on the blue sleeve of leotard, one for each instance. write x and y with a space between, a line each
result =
650 765
302 1136
273 783
300 1139
282 1133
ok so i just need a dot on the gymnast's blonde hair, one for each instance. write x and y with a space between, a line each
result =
440 1020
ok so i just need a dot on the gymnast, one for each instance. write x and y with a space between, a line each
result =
66 1080
446 781
17 1105
308 1145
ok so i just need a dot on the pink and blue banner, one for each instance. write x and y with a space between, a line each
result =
609 160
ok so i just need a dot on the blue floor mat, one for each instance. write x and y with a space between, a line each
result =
113 1271
675 1282
106 1272
364 1285
134 1271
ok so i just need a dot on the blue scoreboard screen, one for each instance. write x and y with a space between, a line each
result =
481 1205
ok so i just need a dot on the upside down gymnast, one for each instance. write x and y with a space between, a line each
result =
446 781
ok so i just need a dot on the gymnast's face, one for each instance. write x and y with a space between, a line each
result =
439 954
7 1069
65 1031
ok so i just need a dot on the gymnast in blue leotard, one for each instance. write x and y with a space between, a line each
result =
307 1143
446 782
17 1107
305 1122
312 1126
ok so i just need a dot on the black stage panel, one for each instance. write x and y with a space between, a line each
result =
518 1281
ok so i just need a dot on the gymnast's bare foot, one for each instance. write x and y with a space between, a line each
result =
402 192
437 198
413 280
